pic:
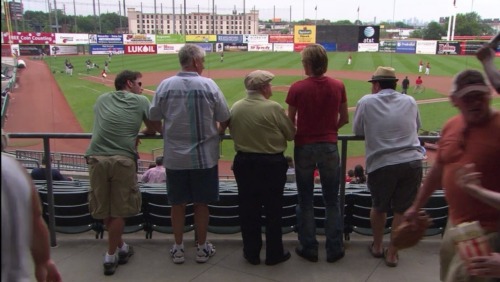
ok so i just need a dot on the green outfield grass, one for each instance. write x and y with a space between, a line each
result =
82 94
403 63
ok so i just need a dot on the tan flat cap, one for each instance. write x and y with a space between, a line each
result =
256 79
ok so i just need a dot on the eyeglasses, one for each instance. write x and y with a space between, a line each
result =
138 83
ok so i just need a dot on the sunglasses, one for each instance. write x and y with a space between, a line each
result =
138 83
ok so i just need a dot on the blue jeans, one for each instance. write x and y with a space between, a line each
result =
325 157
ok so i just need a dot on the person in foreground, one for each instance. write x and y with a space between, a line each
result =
470 137
190 106
112 159
470 180
23 227
317 105
260 130
155 174
390 123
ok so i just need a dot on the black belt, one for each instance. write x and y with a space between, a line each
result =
259 154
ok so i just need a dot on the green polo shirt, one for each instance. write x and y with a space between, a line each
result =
259 125
118 119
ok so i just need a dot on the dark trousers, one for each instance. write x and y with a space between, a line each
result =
261 179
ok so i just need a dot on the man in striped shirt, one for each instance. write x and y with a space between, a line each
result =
192 109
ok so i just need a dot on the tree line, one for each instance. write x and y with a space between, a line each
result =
38 21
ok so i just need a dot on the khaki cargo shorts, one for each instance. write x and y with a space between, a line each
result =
114 191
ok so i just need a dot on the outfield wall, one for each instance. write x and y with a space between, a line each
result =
334 38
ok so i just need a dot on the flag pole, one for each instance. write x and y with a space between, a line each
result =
316 19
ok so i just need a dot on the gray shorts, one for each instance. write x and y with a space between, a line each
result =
394 187
199 186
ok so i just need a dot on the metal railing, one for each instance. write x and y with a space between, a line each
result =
46 137
68 161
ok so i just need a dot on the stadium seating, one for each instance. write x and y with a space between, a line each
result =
71 211
72 214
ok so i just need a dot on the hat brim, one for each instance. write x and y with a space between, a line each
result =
383 79
471 88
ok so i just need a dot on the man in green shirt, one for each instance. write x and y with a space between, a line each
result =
112 154
260 130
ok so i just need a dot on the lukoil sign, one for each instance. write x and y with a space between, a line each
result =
140 49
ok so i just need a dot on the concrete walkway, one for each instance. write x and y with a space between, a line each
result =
79 258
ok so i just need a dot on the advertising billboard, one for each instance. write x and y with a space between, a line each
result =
6 51
426 47
448 48
367 47
139 38
106 39
72 38
256 38
140 49
304 34
329 46
369 34
63 50
298 47
33 50
470 47
260 47
280 38
170 38
387 46
208 47
168 48
230 38
219 47
283 47
235 47
406 46
105 49
201 38
29 37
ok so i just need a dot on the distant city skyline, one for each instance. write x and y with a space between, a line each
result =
333 10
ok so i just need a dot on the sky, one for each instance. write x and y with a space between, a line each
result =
333 10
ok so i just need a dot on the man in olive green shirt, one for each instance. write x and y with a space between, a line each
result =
111 156
260 130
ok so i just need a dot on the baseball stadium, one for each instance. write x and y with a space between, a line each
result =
50 84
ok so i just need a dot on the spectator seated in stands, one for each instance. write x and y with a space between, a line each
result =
39 173
350 176
359 175
156 174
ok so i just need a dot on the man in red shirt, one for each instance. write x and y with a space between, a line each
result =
317 105
418 85
472 136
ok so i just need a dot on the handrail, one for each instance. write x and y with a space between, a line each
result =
50 196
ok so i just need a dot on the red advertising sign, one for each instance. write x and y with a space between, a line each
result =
29 37
298 47
140 49
280 38
6 50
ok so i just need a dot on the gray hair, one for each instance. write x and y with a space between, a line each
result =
189 52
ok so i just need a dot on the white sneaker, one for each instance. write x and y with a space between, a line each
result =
204 254
177 255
